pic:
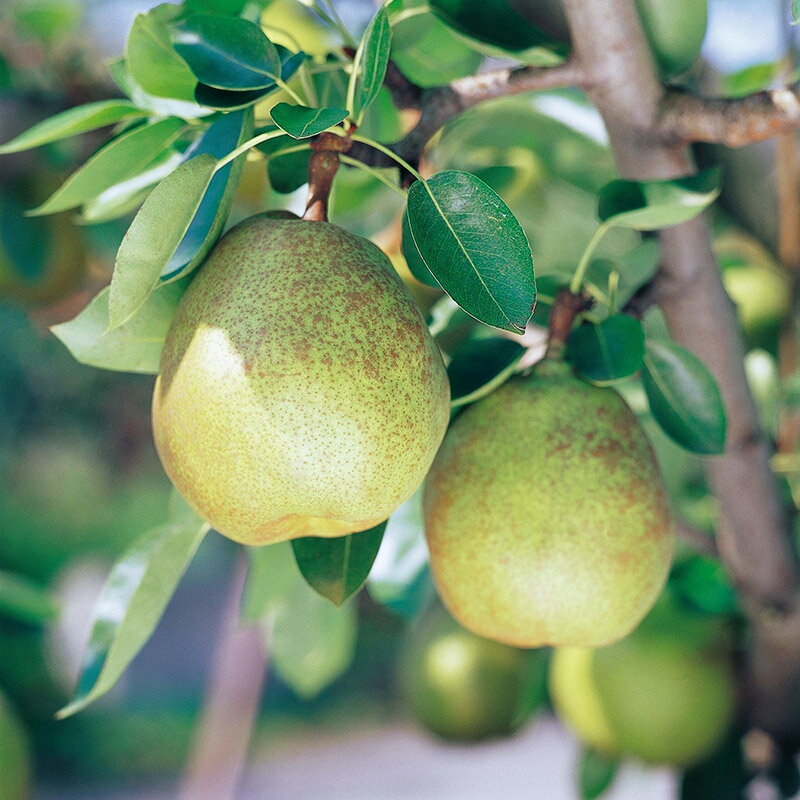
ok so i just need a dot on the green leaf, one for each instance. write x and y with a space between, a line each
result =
703 584
300 122
134 346
24 601
607 351
474 247
479 366
722 776
413 259
338 567
154 236
232 7
652 205
371 60
131 603
152 61
121 158
312 641
684 398
72 122
289 172
596 773
227 52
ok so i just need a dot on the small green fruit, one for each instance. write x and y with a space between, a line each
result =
464 688
658 695
300 392
545 515
675 30
15 768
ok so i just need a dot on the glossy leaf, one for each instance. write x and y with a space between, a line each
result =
227 52
413 259
131 603
152 61
24 601
221 138
652 205
338 567
684 398
372 59
596 773
121 158
607 351
479 366
474 247
72 122
155 234
134 346
311 641
289 172
300 122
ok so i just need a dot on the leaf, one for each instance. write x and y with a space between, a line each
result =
684 398
652 205
596 773
134 346
300 122
703 584
413 259
289 172
311 641
607 351
131 603
479 366
152 61
224 136
24 601
722 776
372 59
154 236
72 122
227 52
338 567
474 247
121 158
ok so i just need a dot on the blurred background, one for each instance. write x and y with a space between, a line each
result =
79 478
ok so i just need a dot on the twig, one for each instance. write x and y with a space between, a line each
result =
699 541
322 168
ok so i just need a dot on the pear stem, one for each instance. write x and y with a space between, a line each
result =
322 168
566 307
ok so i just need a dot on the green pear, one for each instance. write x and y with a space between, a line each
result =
15 769
664 694
300 392
462 687
545 515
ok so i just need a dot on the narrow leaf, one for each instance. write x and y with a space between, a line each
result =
338 567
684 398
72 122
131 603
121 158
652 205
607 351
479 366
154 236
474 247
596 773
372 59
300 122
24 601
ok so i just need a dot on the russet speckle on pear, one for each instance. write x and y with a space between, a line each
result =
545 515
300 392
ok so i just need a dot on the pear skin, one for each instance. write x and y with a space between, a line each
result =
300 392
545 515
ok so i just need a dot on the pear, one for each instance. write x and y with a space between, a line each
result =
665 694
300 393
545 515
462 687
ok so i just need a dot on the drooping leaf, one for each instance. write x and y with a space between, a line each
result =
300 122
596 773
226 52
338 567
155 234
371 60
474 247
652 205
289 172
132 602
607 351
479 366
311 641
413 259
121 158
134 346
684 397
24 601
73 121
